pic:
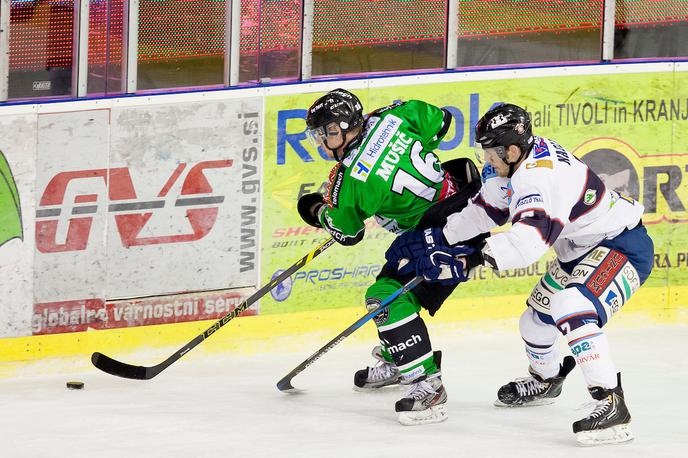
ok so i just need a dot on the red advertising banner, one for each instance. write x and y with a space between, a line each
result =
81 315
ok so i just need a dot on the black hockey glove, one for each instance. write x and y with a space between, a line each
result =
308 207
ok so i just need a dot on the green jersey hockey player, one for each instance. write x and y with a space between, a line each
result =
386 169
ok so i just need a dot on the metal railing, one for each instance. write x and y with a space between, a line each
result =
231 56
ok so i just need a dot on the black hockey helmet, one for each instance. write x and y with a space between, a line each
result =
505 125
501 127
339 106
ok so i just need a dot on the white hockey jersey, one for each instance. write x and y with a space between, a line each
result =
553 199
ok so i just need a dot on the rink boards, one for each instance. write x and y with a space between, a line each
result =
129 222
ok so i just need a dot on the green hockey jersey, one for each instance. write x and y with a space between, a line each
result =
391 173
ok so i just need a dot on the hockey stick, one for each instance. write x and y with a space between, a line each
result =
120 369
285 383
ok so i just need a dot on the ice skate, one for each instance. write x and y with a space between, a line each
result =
533 390
382 374
609 422
424 403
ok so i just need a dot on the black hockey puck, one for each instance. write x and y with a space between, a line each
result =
75 385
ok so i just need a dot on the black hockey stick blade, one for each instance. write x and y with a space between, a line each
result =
120 369
285 383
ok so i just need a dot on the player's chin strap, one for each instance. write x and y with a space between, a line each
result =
346 148
512 165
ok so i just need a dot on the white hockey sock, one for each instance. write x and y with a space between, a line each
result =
590 347
543 361
540 339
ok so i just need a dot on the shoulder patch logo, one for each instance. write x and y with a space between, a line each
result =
540 149
590 197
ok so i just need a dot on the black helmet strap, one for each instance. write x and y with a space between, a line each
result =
512 165
344 146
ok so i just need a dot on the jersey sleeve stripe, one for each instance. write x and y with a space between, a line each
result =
531 344
498 215
548 228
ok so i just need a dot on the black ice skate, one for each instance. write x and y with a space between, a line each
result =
609 422
533 390
382 374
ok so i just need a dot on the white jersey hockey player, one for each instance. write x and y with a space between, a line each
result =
603 254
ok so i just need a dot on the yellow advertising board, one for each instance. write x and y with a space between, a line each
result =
632 129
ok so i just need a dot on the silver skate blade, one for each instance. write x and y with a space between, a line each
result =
539 402
614 435
434 414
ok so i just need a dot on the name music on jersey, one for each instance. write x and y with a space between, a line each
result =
393 156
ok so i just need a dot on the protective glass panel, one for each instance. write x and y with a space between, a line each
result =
41 48
181 43
105 46
270 44
378 35
651 29
519 32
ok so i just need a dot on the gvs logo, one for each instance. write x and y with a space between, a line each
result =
131 213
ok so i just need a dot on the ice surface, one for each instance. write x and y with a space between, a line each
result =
228 406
